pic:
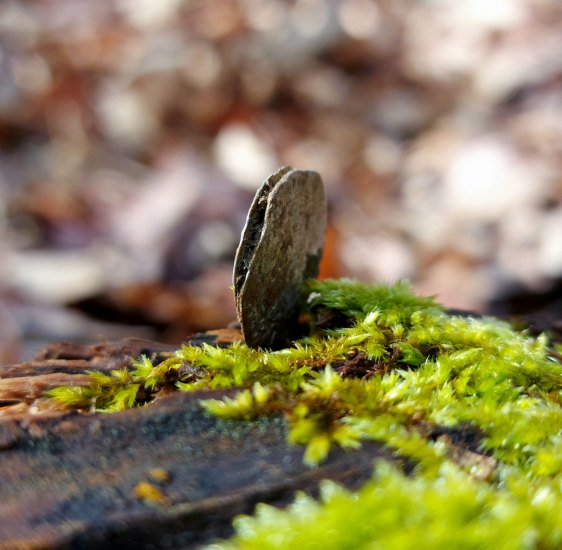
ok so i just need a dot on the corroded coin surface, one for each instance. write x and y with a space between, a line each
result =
281 247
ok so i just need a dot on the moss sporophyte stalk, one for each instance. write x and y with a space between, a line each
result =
383 364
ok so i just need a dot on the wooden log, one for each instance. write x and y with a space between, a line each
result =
163 475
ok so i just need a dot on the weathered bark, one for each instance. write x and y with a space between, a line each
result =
72 480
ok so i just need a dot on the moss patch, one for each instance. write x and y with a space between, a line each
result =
383 364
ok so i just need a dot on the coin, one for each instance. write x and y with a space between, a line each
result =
280 248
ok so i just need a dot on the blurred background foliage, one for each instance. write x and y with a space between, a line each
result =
133 134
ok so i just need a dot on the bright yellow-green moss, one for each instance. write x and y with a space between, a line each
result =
450 510
393 368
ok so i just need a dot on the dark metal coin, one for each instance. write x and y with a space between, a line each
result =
281 247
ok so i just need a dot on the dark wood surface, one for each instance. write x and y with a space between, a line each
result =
71 480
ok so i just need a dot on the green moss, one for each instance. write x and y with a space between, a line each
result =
451 510
383 364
